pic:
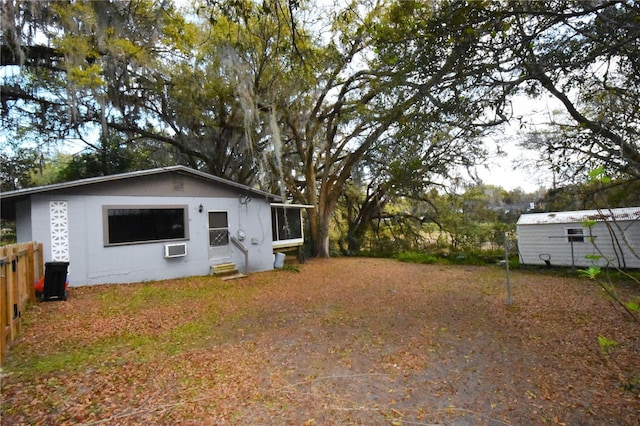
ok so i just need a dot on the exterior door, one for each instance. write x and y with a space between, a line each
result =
218 237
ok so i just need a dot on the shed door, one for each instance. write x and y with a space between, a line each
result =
218 237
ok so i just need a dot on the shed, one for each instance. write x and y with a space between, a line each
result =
562 239
149 225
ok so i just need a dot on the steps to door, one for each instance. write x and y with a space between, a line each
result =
226 271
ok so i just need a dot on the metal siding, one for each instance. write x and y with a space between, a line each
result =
547 239
537 239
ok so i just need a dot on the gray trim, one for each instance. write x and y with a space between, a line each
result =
122 176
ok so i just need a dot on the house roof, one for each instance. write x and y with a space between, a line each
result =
579 216
10 195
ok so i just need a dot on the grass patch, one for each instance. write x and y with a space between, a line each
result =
76 356
192 335
478 257
151 320
417 257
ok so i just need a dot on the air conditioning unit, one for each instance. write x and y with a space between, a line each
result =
175 250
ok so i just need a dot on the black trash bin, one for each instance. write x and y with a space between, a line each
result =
55 279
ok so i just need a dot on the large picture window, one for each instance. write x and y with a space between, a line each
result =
141 224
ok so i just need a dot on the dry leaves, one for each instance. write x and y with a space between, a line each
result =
345 341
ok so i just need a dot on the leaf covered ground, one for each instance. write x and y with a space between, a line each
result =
342 341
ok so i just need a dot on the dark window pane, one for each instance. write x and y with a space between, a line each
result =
218 220
293 228
575 235
286 223
274 223
140 224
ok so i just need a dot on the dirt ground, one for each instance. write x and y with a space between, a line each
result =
342 341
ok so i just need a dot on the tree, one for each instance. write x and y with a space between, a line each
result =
128 71
585 55
252 92
369 95
15 170
248 95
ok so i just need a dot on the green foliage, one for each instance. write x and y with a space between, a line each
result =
7 232
592 272
633 305
599 174
474 257
401 89
417 257
290 267
606 344
16 169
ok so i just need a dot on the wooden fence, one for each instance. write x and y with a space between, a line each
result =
21 265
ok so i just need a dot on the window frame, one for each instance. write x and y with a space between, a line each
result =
276 229
220 229
105 222
575 237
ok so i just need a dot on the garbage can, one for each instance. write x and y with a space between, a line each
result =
55 279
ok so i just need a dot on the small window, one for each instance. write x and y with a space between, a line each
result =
142 224
575 235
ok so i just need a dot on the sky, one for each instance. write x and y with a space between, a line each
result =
517 168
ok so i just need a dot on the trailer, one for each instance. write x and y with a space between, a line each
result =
607 237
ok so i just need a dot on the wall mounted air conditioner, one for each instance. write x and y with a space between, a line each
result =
175 250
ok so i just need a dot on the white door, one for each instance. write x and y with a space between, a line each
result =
218 237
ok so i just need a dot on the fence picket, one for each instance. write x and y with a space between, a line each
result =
20 266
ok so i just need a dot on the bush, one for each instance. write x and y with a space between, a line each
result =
469 257
417 257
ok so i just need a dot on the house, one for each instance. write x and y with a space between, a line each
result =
564 239
153 224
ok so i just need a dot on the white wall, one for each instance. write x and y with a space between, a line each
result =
536 241
90 262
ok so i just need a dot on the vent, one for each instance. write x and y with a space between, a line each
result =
175 250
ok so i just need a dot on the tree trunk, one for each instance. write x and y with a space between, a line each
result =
325 209
322 244
325 206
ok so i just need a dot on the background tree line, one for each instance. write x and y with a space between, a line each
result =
371 111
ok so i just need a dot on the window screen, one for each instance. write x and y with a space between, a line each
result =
286 223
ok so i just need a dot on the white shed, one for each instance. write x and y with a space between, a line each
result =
563 239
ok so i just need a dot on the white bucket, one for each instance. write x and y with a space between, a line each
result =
279 260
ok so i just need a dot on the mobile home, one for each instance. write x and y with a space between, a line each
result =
581 238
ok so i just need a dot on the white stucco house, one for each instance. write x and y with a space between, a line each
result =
563 239
153 224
